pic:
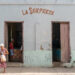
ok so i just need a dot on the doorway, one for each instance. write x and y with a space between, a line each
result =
56 45
14 31
60 42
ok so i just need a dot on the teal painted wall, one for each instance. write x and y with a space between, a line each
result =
72 58
38 58
72 62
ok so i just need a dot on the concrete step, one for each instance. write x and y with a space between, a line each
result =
57 64
14 64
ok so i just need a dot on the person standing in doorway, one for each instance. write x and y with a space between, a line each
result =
3 53
11 49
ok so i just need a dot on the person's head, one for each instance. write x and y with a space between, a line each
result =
2 46
12 40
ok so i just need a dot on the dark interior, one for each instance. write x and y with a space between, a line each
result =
15 32
56 46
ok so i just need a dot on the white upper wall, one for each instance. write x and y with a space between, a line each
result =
37 1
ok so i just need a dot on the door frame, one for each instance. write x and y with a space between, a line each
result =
5 26
69 33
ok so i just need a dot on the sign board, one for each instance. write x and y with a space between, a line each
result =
37 10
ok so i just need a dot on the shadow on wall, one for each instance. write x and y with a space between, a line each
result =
45 46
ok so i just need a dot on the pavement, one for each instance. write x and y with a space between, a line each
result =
38 71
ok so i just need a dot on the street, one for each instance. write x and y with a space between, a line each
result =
38 71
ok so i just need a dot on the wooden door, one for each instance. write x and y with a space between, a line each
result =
6 37
65 45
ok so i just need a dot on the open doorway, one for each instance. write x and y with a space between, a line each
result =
56 45
14 32
60 42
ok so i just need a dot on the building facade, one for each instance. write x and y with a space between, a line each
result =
43 31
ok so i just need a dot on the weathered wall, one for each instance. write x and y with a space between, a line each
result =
38 58
37 27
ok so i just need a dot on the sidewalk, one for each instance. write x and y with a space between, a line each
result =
38 71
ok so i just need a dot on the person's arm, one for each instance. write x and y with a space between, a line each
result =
0 53
6 52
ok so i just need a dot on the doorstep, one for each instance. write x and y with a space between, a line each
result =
14 64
